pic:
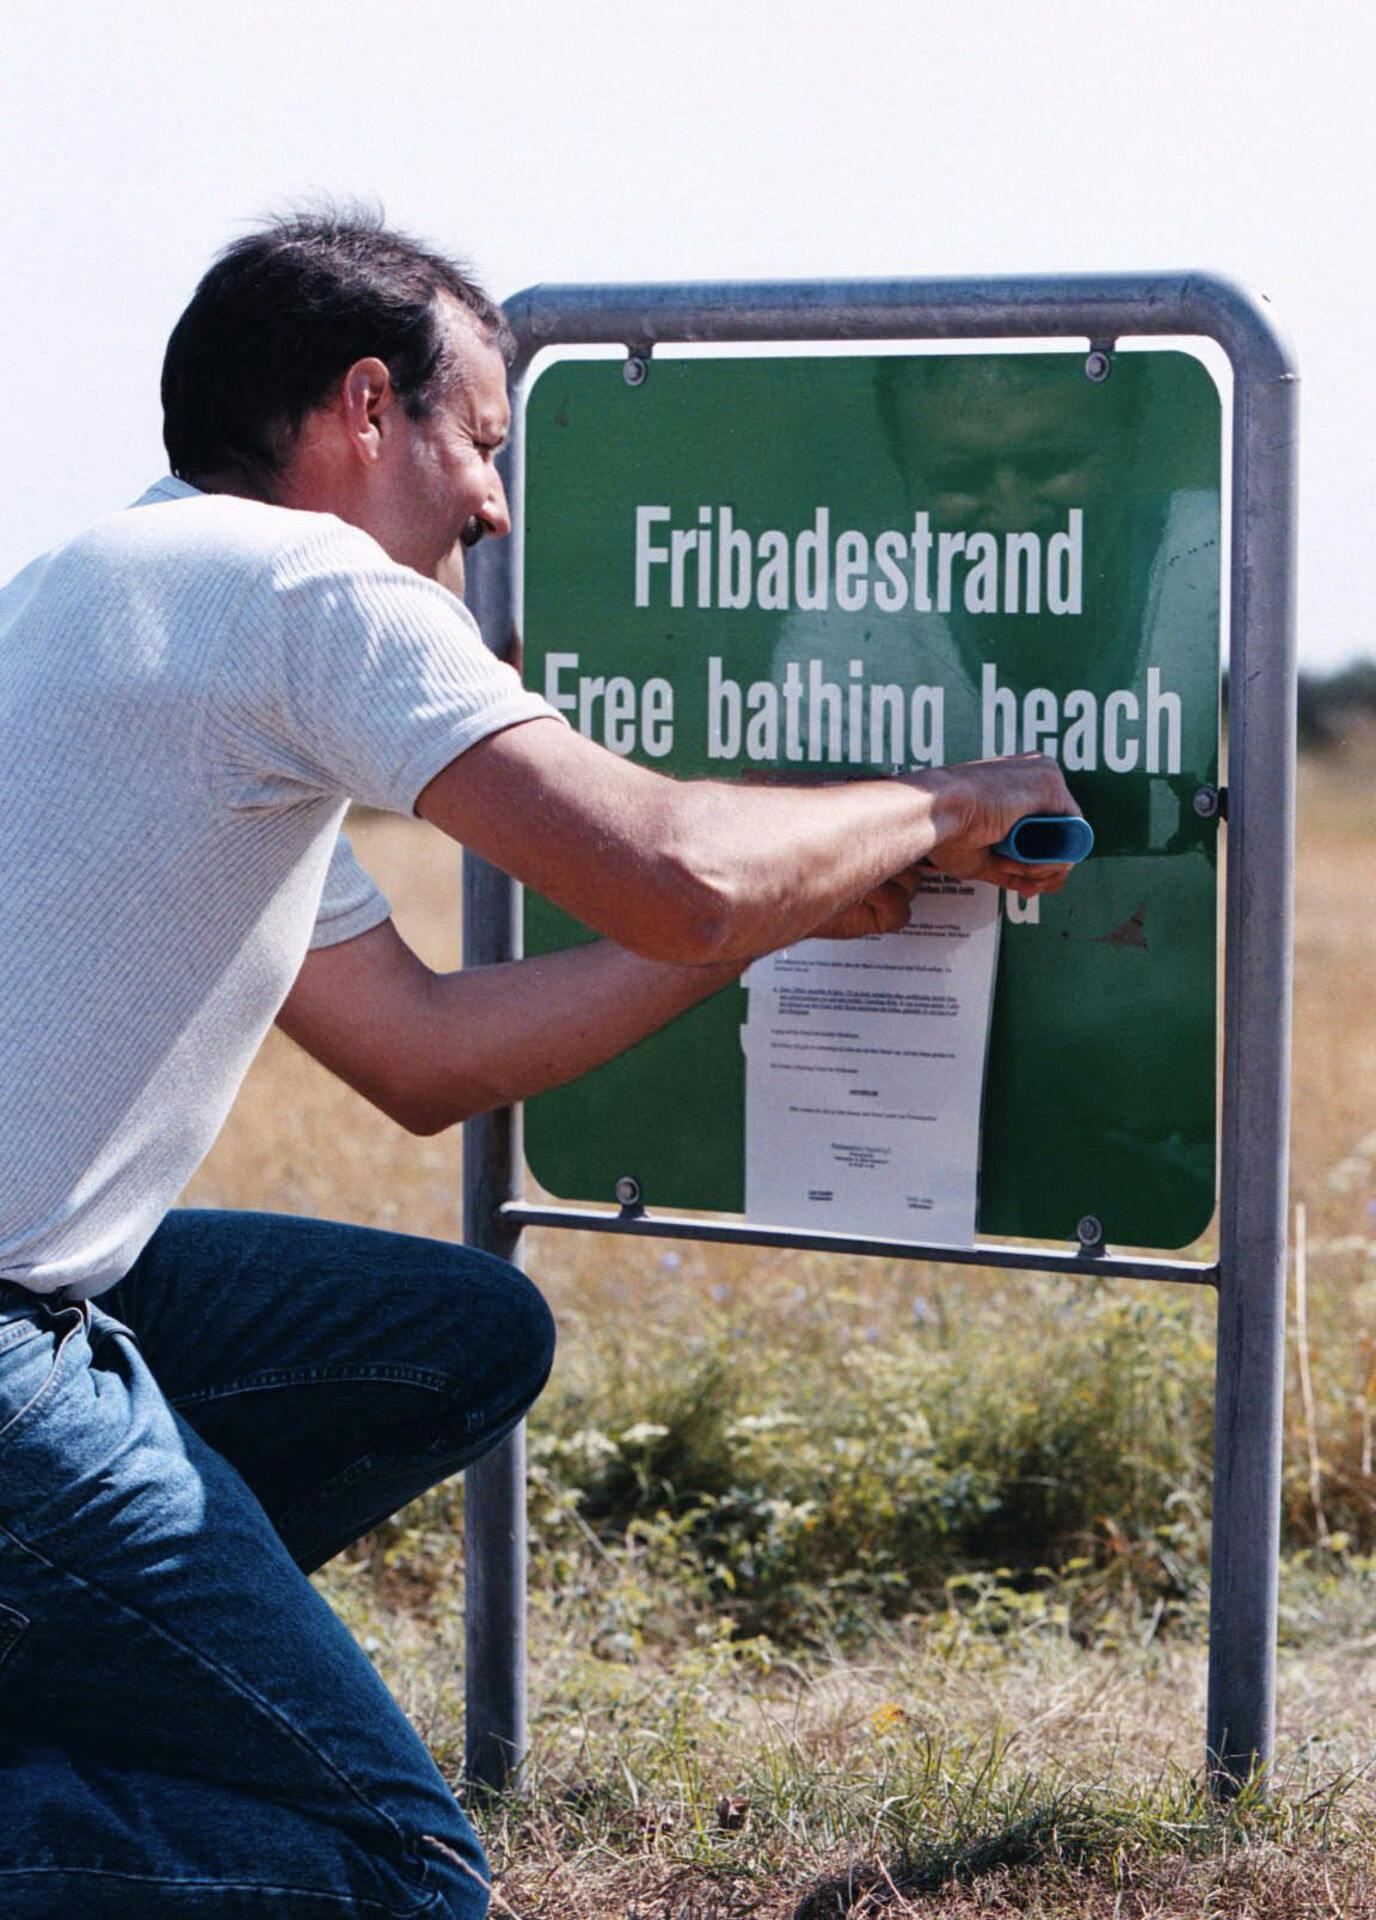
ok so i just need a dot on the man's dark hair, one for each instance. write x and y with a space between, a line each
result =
279 319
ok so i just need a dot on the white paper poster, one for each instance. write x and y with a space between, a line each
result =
865 1073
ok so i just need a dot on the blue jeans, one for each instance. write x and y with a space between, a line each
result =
186 1727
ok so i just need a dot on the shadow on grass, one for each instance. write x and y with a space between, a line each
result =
1079 1837
1070 1832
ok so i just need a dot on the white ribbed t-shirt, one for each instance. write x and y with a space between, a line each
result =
191 692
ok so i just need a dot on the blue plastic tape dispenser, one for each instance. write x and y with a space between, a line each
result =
1048 839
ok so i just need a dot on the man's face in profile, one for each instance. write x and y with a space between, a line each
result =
439 488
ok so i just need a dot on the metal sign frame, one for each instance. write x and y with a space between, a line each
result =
1254 1142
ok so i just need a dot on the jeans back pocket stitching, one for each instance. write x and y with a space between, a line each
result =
20 1418
17 1332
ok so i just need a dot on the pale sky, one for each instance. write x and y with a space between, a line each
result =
737 139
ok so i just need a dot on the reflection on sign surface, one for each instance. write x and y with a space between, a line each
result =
804 569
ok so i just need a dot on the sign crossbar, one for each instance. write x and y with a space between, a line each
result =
667 1226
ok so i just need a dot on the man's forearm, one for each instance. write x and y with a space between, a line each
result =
686 871
694 871
775 860
501 1033
430 1049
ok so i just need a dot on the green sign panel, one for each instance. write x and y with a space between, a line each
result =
811 569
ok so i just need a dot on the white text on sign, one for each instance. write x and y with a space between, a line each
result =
716 563
806 716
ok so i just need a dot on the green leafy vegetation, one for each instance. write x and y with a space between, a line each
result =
800 1472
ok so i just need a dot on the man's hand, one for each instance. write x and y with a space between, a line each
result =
884 910
984 799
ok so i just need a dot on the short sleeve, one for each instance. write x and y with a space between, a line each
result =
351 675
351 903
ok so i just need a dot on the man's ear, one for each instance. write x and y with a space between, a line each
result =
366 396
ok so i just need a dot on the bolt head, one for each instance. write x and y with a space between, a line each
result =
1205 802
1090 1231
1098 366
634 370
628 1190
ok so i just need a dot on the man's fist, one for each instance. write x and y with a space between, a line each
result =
979 802
884 910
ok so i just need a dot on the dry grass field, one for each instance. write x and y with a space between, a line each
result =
746 1698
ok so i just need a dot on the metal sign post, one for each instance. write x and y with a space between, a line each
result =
1250 1273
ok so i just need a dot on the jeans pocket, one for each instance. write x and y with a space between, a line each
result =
32 1355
